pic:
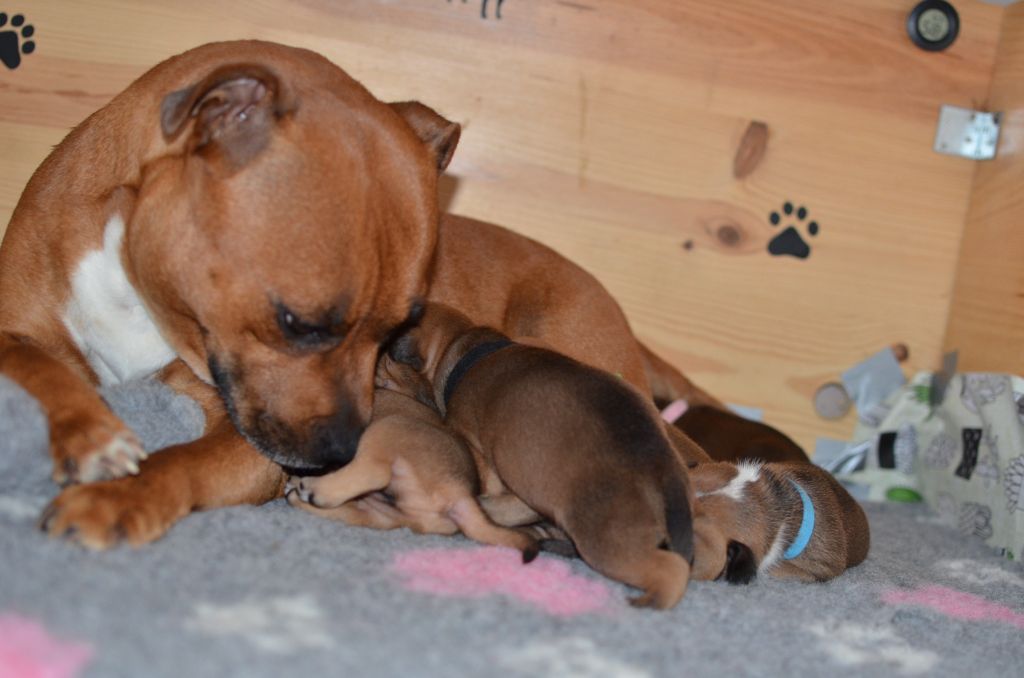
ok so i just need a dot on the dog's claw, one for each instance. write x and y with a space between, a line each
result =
101 451
46 517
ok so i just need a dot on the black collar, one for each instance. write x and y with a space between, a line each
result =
466 363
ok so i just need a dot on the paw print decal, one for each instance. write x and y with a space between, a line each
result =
790 242
14 40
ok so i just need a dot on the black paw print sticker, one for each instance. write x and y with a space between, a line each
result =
14 40
790 242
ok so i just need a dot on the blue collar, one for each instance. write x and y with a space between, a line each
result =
806 526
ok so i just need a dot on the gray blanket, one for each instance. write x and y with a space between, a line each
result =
271 591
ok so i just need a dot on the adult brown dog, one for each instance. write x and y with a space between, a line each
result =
577 445
245 208
726 436
789 520
250 222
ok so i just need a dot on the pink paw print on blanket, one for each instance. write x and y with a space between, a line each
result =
546 583
27 650
956 604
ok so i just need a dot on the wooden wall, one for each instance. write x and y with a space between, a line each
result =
607 128
986 322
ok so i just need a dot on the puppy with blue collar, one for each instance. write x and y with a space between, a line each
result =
787 520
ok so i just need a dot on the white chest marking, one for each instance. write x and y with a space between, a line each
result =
106 318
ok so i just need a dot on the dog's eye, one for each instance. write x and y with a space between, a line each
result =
303 333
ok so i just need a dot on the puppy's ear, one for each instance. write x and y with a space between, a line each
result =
440 136
234 109
406 351
740 566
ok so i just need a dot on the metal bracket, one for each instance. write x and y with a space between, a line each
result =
967 133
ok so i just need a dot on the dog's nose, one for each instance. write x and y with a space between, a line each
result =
334 440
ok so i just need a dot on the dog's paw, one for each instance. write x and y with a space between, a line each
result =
104 514
297 490
296 500
88 448
300 490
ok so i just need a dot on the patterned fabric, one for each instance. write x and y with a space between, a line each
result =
965 456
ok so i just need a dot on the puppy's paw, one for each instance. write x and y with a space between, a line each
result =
295 497
310 490
299 490
102 514
91 447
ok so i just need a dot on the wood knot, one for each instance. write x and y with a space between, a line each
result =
729 234
751 149
901 352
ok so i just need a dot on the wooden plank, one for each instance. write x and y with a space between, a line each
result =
607 128
986 322
22 147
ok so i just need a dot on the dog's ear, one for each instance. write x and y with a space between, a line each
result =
405 350
740 565
441 136
234 109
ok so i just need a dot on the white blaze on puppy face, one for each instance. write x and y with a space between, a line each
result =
746 472
106 318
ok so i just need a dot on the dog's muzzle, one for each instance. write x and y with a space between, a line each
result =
322 445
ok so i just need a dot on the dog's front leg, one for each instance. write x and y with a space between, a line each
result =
87 442
217 470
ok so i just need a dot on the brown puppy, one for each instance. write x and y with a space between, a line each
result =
428 475
577 445
786 520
